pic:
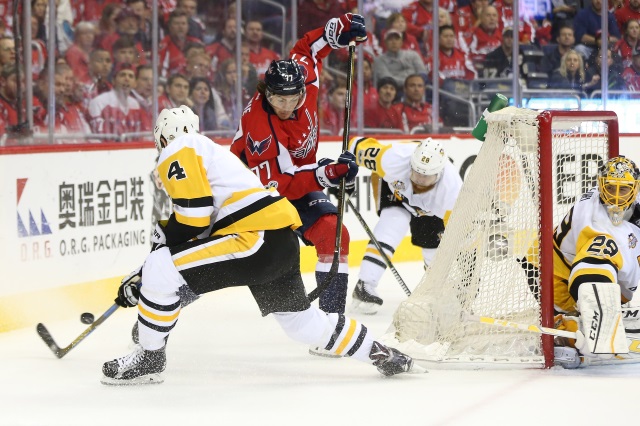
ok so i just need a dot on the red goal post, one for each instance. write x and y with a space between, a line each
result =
495 257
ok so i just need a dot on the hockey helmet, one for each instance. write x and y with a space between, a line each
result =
618 186
285 79
427 162
174 122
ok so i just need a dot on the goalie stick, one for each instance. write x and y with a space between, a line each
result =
60 352
375 242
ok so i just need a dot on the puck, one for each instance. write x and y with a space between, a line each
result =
86 318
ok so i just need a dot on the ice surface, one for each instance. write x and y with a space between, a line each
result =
229 366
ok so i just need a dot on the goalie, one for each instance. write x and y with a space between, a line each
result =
415 187
596 255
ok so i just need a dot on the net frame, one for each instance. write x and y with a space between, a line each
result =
548 125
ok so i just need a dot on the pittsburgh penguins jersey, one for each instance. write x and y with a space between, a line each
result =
215 194
589 248
392 163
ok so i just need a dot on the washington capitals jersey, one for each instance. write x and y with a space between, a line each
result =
588 248
392 163
215 194
282 153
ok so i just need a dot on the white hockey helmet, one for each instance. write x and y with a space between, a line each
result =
174 122
427 162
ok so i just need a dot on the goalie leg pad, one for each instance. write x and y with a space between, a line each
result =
601 319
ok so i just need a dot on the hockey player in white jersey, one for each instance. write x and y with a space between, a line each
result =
226 230
596 262
415 187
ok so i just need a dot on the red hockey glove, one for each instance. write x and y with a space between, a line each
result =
340 31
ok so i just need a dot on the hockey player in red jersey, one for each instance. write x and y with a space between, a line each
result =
278 139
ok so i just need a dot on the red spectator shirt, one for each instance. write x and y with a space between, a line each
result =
108 116
379 117
625 50
171 57
624 14
456 65
91 88
632 78
483 42
414 115
78 60
219 52
89 10
165 102
505 14
282 153
262 59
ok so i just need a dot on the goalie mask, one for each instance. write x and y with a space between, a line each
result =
285 85
172 123
427 163
618 187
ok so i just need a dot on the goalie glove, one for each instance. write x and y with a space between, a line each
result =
129 290
340 31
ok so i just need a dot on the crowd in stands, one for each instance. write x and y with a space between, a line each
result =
103 82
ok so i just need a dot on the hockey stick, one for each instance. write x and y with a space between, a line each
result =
60 352
345 146
375 242
527 327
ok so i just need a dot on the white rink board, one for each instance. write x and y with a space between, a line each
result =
115 240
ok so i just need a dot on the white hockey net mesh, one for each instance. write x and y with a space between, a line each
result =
495 223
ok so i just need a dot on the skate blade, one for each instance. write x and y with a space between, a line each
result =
323 353
416 369
366 308
149 379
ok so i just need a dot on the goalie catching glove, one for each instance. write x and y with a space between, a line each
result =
129 291
340 31
329 172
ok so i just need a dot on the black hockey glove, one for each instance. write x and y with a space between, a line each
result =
129 291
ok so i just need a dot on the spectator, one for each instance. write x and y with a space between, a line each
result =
415 112
259 55
630 11
200 91
196 26
571 73
38 51
116 112
498 62
171 47
332 110
397 21
198 65
396 62
224 48
78 53
124 51
629 41
143 93
593 73
144 34
249 72
176 93
313 12
39 11
553 54
631 74
128 25
564 11
97 81
385 113
8 100
107 24
588 23
420 22
466 19
93 10
369 89
486 36
7 51
225 85
505 12
454 64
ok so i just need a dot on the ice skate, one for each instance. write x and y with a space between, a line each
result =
365 299
138 368
391 361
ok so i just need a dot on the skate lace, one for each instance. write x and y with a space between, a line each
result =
133 358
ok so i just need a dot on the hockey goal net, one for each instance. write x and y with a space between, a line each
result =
532 167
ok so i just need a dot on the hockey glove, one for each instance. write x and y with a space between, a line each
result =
340 31
129 290
328 173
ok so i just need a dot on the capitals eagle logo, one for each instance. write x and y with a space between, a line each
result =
258 147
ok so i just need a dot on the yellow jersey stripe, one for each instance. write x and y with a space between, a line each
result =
347 337
156 317
233 244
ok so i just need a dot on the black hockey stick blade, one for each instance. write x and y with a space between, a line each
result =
60 352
